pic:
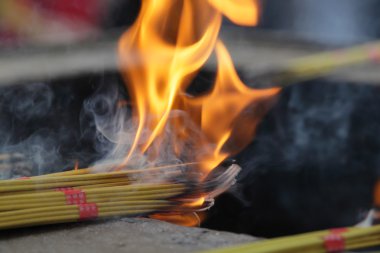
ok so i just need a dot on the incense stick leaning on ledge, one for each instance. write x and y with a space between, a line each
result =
334 240
317 65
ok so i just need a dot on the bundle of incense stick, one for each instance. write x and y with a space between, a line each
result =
319 64
78 195
333 240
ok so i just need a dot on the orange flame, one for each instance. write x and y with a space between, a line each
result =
184 219
197 202
241 12
221 111
160 55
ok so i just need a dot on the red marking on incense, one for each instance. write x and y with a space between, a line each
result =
88 211
334 242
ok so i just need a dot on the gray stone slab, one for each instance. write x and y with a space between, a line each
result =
137 235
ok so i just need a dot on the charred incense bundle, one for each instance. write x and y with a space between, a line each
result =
334 240
78 195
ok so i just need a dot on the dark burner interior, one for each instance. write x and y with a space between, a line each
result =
312 165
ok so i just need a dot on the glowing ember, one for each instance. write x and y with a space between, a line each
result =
76 165
183 219
160 55
377 194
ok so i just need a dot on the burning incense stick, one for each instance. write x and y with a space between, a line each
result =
77 195
116 193
73 204
68 213
82 178
111 166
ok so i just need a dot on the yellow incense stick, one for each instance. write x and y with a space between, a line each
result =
319 64
354 238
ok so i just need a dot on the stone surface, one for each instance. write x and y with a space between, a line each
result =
121 235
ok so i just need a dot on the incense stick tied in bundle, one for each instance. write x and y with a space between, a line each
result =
79 195
334 240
